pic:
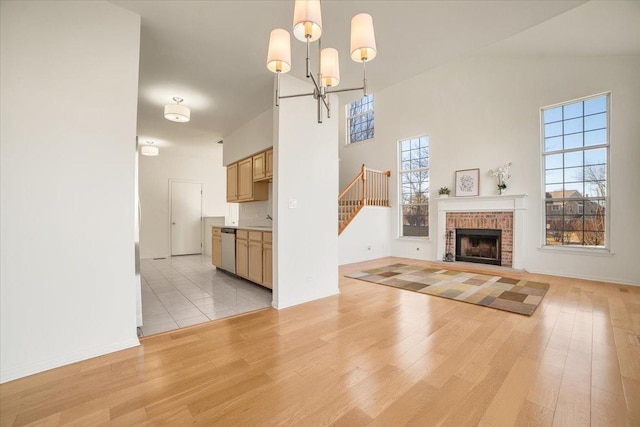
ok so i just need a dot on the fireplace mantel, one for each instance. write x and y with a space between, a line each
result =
507 203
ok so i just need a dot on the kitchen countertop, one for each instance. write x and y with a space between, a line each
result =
249 227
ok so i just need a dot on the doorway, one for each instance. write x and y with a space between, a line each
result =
186 217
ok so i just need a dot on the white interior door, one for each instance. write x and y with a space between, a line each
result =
186 218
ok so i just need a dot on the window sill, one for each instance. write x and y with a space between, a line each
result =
414 239
577 251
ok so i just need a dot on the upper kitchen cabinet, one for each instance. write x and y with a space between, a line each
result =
263 166
269 164
240 185
259 167
232 183
245 179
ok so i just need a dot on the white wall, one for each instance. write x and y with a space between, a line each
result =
69 87
482 112
193 162
367 236
253 137
306 170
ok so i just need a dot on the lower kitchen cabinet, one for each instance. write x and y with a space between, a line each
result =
242 254
255 261
254 256
216 247
267 265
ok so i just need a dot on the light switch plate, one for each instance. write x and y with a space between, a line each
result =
293 203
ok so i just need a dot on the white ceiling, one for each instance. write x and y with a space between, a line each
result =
212 53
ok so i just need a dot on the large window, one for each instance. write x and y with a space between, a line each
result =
360 119
414 186
575 138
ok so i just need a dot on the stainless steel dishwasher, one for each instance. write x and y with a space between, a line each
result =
229 249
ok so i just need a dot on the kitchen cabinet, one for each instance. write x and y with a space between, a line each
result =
245 179
232 183
255 256
269 163
259 166
267 261
242 253
240 185
216 246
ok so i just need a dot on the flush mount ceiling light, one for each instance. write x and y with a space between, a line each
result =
307 27
149 149
177 112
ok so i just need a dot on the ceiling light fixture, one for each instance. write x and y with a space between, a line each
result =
177 112
307 27
149 149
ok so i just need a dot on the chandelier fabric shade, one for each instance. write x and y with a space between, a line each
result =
329 67
279 54
307 20
177 112
307 27
363 40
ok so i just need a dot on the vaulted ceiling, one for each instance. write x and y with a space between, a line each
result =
212 53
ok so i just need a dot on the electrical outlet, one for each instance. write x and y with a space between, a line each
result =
293 203
308 278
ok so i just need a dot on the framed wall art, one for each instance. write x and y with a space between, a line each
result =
467 182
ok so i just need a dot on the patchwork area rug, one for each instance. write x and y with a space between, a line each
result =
502 293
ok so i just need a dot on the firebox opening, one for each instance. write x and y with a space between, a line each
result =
479 245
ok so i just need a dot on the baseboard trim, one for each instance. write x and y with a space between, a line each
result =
585 277
304 300
24 370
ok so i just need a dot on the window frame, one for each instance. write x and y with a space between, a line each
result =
348 119
400 173
606 247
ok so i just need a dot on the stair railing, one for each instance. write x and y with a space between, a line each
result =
369 188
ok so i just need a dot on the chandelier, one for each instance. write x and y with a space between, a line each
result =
307 27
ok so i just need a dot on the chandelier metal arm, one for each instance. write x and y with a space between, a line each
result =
320 92
297 95
345 90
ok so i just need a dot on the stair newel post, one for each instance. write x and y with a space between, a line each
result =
363 172
386 188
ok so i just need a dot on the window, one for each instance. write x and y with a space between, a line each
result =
575 154
414 187
360 120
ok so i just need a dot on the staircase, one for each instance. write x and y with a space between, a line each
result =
369 188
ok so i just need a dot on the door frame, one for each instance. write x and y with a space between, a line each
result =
189 181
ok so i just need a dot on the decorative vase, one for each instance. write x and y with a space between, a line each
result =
444 196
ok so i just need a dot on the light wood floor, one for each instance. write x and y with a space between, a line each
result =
373 355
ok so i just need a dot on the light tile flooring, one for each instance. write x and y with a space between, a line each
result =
187 290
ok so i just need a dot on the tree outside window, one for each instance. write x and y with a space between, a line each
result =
360 120
575 154
414 186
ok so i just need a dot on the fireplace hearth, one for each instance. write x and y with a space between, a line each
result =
479 245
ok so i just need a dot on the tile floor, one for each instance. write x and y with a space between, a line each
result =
187 290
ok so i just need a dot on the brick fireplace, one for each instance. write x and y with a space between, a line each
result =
504 213
498 221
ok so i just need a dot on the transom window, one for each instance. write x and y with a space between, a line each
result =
414 187
575 155
360 120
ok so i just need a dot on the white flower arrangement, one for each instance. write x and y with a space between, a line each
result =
503 174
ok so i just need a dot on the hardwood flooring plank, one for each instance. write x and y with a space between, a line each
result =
372 355
508 401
